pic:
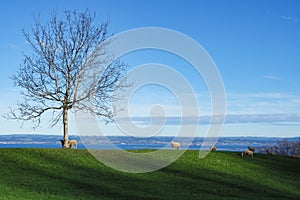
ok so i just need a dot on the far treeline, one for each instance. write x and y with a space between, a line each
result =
285 147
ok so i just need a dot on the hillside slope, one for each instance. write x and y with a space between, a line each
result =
67 174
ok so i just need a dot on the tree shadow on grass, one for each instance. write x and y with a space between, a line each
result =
77 175
72 179
233 184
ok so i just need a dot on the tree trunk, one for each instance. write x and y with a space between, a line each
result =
65 121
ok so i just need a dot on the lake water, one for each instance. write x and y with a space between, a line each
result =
126 146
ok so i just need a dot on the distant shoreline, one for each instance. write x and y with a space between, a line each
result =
122 146
170 136
133 143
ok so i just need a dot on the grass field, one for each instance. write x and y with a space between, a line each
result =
67 174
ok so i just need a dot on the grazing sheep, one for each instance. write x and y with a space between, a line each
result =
69 144
213 148
175 145
247 152
251 148
72 143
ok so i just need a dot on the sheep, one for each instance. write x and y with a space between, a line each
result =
251 148
72 143
247 152
175 145
213 148
69 144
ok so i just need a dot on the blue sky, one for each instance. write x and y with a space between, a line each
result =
255 45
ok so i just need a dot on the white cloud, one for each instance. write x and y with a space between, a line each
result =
260 95
230 119
236 103
289 18
262 103
296 101
272 77
13 46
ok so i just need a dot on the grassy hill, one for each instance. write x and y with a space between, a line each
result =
67 174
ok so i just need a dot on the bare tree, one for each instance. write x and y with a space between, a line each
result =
285 147
70 69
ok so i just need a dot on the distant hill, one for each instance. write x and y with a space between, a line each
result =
70 174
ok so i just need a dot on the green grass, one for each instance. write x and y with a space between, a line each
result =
67 174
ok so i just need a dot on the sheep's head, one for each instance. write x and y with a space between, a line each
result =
62 142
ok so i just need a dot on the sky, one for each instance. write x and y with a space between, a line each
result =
254 44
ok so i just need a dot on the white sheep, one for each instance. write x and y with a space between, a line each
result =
175 145
72 143
69 144
247 152
213 148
